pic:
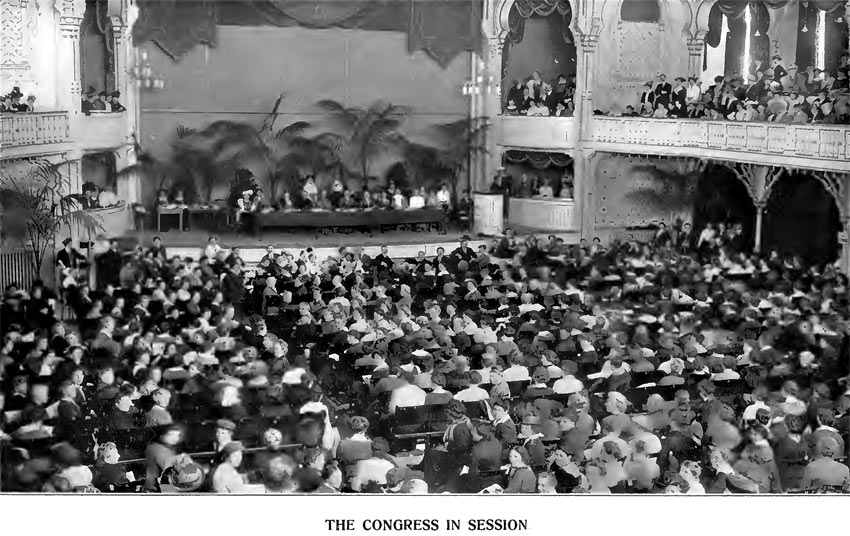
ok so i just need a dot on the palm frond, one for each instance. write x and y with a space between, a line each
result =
294 129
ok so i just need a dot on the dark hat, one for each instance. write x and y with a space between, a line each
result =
225 424
67 241
115 94
91 91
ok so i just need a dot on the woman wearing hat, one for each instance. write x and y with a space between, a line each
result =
226 477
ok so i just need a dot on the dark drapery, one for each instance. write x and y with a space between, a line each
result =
836 41
441 28
806 41
558 14
734 10
538 160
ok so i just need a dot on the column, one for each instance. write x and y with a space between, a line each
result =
696 49
760 208
584 189
584 175
844 259
68 77
491 108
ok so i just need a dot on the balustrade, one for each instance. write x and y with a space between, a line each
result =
24 129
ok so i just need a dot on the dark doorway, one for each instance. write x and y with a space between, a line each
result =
802 219
722 197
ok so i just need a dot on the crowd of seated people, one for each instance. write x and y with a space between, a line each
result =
11 102
769 93
686 365
101 101
532 186
537 97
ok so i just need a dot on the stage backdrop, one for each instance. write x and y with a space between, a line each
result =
240 78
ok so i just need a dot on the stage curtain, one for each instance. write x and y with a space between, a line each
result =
538 160
441 28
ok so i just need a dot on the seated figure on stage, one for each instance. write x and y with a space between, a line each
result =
417 200
245 205
399 201
336 194
311 192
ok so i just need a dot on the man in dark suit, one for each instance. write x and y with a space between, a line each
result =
383 260
663 91
109 266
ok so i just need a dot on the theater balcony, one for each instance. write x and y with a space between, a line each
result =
26 134
537 133
103 131
810 146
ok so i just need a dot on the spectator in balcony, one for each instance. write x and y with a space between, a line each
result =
728 102
647 99
790 80
678 109
693 93
698 110
756 88
841 83
6 104
537 108
546 191
525 101
91 200
515 94
630 112
114 105
680 92
560 89
535 86
525 188
661 111
17 106
566 191
88 101
714 91
663 91
776 65
564 108
100 102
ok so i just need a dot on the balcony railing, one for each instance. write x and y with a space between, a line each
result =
101 130
23 129
771 143
544 133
